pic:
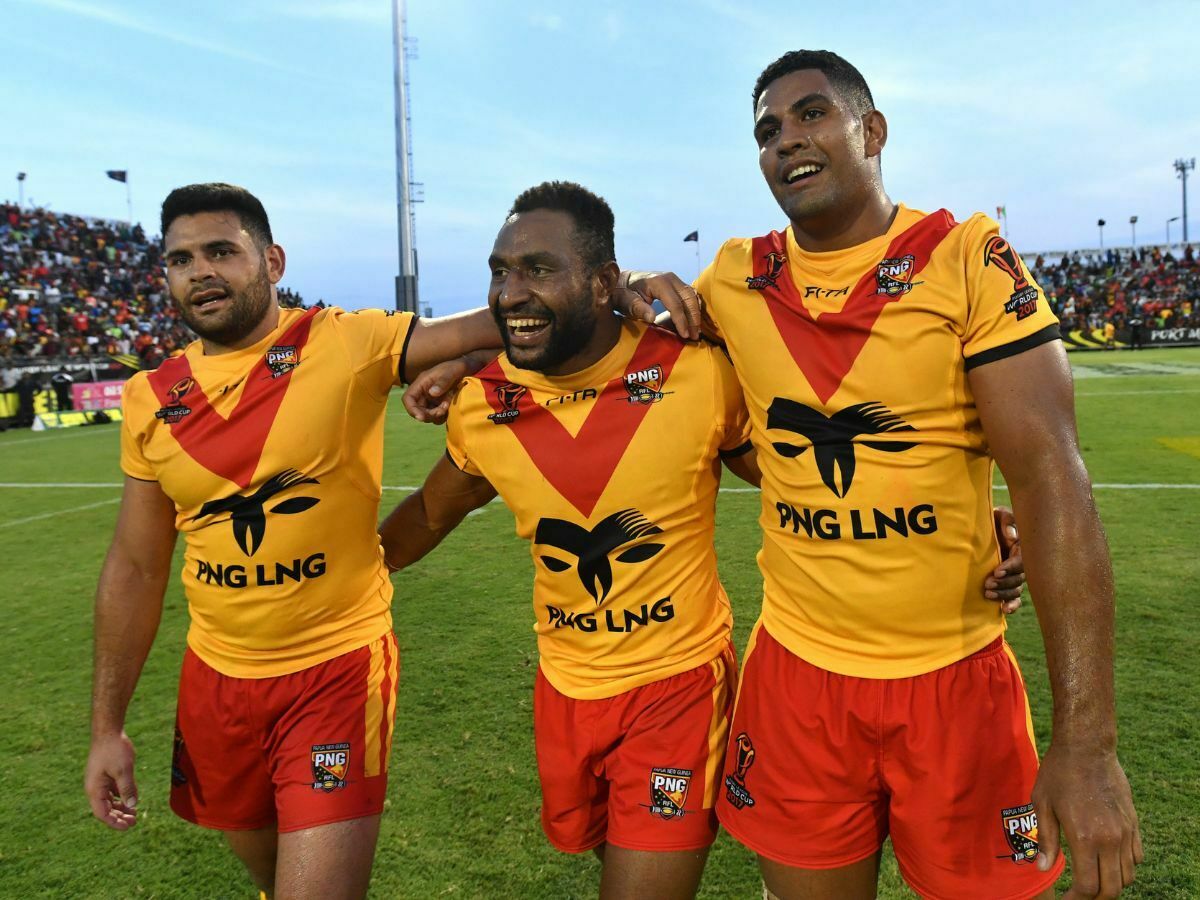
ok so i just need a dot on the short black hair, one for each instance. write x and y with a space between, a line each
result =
593 216
846 79
218 197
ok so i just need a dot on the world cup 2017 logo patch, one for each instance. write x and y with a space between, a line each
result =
1021 832
668 791
509 396
735 784
330 763
999 253
175 409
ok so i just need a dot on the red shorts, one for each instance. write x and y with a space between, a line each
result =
822 767
639 770
296 751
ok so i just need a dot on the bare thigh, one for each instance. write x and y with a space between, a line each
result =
857 881
664 875
329 862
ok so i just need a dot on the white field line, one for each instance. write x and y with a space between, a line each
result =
89 432
1127 393
58 512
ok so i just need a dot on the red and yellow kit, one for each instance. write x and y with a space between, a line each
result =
876 492
612 474
273 457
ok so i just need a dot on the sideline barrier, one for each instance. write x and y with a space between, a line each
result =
75 418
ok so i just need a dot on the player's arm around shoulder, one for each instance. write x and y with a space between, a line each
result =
1026 406
438 340
127 612
453 488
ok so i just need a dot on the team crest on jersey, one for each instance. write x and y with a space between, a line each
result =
509 396
1000 253
767 279
894 275
282 359
668 791
644 386
1021 832
735 784
175 409
330 763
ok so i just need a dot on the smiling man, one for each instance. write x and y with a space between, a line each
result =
262 444
887 357
605 437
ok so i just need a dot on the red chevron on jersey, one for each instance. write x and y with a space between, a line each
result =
580 467
230 448
825 349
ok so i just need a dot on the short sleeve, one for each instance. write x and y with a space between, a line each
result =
732 417
704 287
1007 313
456 433
376 340
133 457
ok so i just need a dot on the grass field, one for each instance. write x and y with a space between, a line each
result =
463 803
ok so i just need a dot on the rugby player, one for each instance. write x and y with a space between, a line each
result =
262 443
887 357
604 436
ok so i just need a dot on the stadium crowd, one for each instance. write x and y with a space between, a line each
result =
1150 285
82 288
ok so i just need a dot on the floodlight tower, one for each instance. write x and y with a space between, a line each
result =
1183 166
406 281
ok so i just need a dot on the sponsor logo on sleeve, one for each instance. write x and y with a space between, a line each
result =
1000 253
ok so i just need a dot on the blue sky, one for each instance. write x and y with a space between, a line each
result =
1063 112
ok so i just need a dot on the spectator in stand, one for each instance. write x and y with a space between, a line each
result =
85 288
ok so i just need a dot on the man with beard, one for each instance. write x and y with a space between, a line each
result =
604 436
262 443
906 351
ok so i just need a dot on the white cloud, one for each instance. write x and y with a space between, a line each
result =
130 23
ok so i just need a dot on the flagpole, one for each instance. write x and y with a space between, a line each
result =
697 259
129 201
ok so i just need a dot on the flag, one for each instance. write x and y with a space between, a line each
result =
20 176
120 175
1001 212
694 236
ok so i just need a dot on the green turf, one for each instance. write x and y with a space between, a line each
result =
463 803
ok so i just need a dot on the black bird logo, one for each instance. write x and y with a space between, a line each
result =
592 547
833 436
247 513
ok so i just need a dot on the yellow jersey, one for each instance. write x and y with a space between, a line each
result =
273 456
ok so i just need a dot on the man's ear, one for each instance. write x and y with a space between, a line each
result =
874 133
604 282
276 263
